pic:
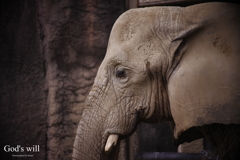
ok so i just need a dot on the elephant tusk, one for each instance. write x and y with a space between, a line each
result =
111 142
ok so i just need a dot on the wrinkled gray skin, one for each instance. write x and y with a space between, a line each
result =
164 63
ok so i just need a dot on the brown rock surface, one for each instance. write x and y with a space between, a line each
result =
50 52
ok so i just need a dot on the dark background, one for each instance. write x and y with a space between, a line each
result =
50 51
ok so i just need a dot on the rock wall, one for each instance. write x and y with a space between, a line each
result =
23 109
75 36
50 52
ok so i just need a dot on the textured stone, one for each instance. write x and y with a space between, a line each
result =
75 40
23 111
50 53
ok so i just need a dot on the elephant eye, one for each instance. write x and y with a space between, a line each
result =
120 73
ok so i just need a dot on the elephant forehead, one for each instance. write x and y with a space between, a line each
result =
143 31
124 56
134 50
138 41
142 21
132 23
132 45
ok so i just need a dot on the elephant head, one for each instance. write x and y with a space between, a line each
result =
160 65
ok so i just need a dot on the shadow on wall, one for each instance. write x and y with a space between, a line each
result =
156 138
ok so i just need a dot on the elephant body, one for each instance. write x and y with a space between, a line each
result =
177 64
204 88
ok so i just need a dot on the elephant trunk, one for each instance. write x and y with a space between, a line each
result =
103 119
93 141
90 137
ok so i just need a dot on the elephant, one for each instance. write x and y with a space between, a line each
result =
178 64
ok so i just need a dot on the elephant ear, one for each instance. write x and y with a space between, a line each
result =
204 80
188 21
177 45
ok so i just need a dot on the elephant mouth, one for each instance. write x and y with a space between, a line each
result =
111 142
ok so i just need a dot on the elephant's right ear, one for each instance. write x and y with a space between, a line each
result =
184 31
181 28
190 19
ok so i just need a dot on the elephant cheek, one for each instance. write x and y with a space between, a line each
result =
121 122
